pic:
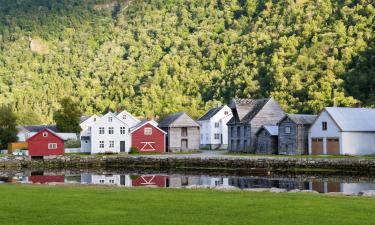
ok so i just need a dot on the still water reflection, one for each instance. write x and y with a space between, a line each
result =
322 184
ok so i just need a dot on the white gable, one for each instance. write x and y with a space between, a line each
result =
332 129
128 118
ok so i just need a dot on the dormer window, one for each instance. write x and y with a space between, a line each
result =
124 117
110 119
226 112
324 125
45 134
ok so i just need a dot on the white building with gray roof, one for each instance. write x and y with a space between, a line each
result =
343 131
214 129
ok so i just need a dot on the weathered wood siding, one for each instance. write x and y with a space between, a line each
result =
175 138
239 138
266 144
270 114
184 121
294 143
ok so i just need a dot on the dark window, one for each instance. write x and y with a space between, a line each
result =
238 131
244 131
184 132
232 131
324 125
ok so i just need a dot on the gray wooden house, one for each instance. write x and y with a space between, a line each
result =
249 116
267 139
293 134
182 132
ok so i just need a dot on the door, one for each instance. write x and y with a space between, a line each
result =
333 146
317 146
184 144
318 186
122 146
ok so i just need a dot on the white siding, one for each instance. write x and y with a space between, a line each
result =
85 126
358 143
332 131
128 118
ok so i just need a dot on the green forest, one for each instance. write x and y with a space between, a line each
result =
155 57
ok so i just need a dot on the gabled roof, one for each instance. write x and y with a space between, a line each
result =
169 120
212 112
353 119
142 123
113 116
273 130
247 109
301 119
83 118
46 129
37 128
128 114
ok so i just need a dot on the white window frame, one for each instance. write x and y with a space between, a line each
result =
111 144
217 136
111 130
101 144
288 130
122 130
52 146
124 117
217 124
45 134
101 130
101 181
147 131
110 119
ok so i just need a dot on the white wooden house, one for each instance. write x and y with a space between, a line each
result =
128 118
214 129
343 131
85 135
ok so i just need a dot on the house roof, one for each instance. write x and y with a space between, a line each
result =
302 119
46 129
210 113
166 122
353 119
37 128
273 130
142 123
83 118
247 109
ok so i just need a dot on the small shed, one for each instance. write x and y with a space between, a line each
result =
147 137
45 143
267 138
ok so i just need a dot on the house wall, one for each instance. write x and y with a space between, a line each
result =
239 137
86 127
175 138
38 145
156 140
117 137
288 144
205 134
270 114
358 143
332 131
266 144
129 119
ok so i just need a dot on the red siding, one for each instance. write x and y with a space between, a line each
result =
146 143
38 145
150 181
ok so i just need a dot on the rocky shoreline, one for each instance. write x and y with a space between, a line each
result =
182 163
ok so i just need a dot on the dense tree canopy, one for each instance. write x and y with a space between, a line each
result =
67 118
8 130
154 57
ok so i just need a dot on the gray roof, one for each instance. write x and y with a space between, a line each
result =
247 109
302 119
273 130
212 112
353 119
37 128
166 122
83 118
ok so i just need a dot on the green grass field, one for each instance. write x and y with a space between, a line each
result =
100 205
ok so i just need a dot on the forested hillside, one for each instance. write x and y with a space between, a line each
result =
154 57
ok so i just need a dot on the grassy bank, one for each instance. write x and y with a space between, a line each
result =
98 205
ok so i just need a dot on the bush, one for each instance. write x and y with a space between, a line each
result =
73 144
133 150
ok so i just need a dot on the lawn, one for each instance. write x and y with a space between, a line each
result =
27 204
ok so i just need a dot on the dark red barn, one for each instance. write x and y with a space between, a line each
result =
45 143
147 137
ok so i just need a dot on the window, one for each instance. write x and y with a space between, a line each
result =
147 131
124 117
110 119
101 144
226 112
217 136
232 131
287 130
238 131
94 119
112 181
184 132
111 130
89 129
244 131
45 134
52 146
101 130
202 137
217 125
324 125
101 181
111 144
122 130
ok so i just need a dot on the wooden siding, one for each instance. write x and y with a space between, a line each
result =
266 144
184 121
294 143
174 138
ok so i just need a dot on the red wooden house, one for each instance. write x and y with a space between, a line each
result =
45 143
147 137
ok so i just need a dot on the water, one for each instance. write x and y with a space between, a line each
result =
260 179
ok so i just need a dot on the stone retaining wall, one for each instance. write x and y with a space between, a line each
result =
348 165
